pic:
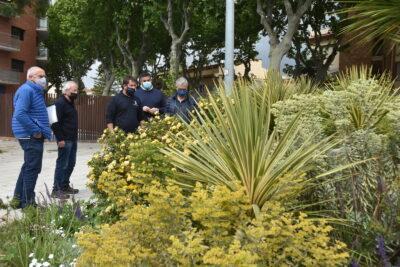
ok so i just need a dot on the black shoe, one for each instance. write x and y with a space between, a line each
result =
69 190
59 194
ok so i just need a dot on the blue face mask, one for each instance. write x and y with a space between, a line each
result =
147 86
182 92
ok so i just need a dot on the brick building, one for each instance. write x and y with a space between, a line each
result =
21 47
382 56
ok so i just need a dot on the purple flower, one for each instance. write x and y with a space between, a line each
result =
382 252
78 212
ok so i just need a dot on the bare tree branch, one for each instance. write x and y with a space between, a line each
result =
187 26
121 47
303 7
288 7
266 22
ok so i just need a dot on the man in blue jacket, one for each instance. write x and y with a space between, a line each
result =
30 124
152 99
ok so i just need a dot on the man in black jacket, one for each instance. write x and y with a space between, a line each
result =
125 110
66 132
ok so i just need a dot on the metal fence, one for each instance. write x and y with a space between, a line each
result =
91 115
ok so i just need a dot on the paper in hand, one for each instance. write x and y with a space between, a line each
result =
52 113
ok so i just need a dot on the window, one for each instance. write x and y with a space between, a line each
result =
377 57
17 32
17 65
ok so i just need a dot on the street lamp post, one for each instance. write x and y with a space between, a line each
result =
229 71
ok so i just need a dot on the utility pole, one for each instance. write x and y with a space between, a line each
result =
229 71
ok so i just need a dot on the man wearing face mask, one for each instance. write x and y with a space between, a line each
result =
66 132
125 110
30 124
152 99
181 103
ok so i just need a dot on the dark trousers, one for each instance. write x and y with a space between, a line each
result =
33 156
65 165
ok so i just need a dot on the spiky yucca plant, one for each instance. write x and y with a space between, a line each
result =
362 72
239 145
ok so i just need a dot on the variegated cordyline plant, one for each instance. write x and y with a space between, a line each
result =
234 140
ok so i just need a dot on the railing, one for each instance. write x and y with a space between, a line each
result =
9 77
9 42
42 24
42 53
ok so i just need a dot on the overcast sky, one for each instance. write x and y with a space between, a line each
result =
262 48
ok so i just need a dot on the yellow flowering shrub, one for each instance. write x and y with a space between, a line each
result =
126 162
209 226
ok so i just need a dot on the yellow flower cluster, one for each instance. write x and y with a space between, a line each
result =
210 226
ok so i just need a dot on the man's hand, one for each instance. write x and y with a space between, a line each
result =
154 111
146 109
38 135
61 144
110 126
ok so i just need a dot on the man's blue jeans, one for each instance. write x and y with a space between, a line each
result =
33 156
65 165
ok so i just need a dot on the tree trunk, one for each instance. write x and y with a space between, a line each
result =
136 68
177 39
321 73
110 78
247 69
280 46
174 59
275 56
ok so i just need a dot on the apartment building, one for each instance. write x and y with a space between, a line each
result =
21 47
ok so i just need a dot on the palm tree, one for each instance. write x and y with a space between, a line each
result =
372 20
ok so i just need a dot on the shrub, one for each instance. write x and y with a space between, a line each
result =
365 113
127 162
212 226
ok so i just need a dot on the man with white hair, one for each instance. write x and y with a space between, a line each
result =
181 103
30 124
66 132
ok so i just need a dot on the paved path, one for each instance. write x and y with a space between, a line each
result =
12 158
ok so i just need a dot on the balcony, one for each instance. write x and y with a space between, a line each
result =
42 24
9 77
42 28
42 54
9 42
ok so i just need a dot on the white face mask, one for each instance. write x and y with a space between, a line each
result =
42 82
